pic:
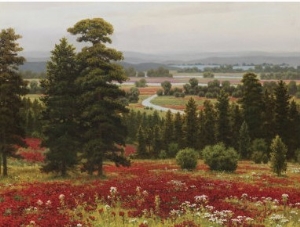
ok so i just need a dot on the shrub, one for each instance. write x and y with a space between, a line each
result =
162 154
187 159
257 157
218 158
278 156
159 92
173 148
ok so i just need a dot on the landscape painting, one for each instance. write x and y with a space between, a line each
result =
149 114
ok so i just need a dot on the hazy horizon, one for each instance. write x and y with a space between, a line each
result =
156 27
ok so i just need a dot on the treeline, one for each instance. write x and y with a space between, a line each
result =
213 88
248 125
264 69
158 72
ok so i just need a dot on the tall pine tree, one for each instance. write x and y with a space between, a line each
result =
223 123
103 132
252 104
12 88
60 117
190 124
282 112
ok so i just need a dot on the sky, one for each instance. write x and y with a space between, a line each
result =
162 27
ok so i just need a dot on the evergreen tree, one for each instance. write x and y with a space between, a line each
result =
252 105
12 87
178 130
268 117
281 112
157 141
190 124
60 117
244 142
294 130
168 129
236 121
223 123
141 151
102 128
208 131
278 156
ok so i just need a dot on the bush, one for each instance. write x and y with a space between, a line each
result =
159 92
219 158
278 156
173 149
187 159
259 157
162 154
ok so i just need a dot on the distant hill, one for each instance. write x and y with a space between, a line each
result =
36 67
36 61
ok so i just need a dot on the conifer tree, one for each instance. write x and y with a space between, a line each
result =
268 117
157 141
252 104
141 140
60 117
278 156
282 111
12 88
244 142
236 121
223 124
190 124
208 131
294 131
178 130
168 129
103 131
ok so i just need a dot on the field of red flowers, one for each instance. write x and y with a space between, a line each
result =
154 193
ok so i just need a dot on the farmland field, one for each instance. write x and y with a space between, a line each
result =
151 193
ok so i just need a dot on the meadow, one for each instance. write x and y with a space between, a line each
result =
149 193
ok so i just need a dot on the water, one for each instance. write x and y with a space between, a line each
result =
202 67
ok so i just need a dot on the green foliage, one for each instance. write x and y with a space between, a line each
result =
208 74
12 88
61 114
259 149
163 154
222 123
133 95
102 129
187 158
220 158
244 141
166 85
141 83
31 113
252 104
190 124
159 72
130 72
173 149
278 156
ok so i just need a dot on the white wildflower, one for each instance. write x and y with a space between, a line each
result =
39 202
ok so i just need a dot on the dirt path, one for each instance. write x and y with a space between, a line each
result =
147 103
